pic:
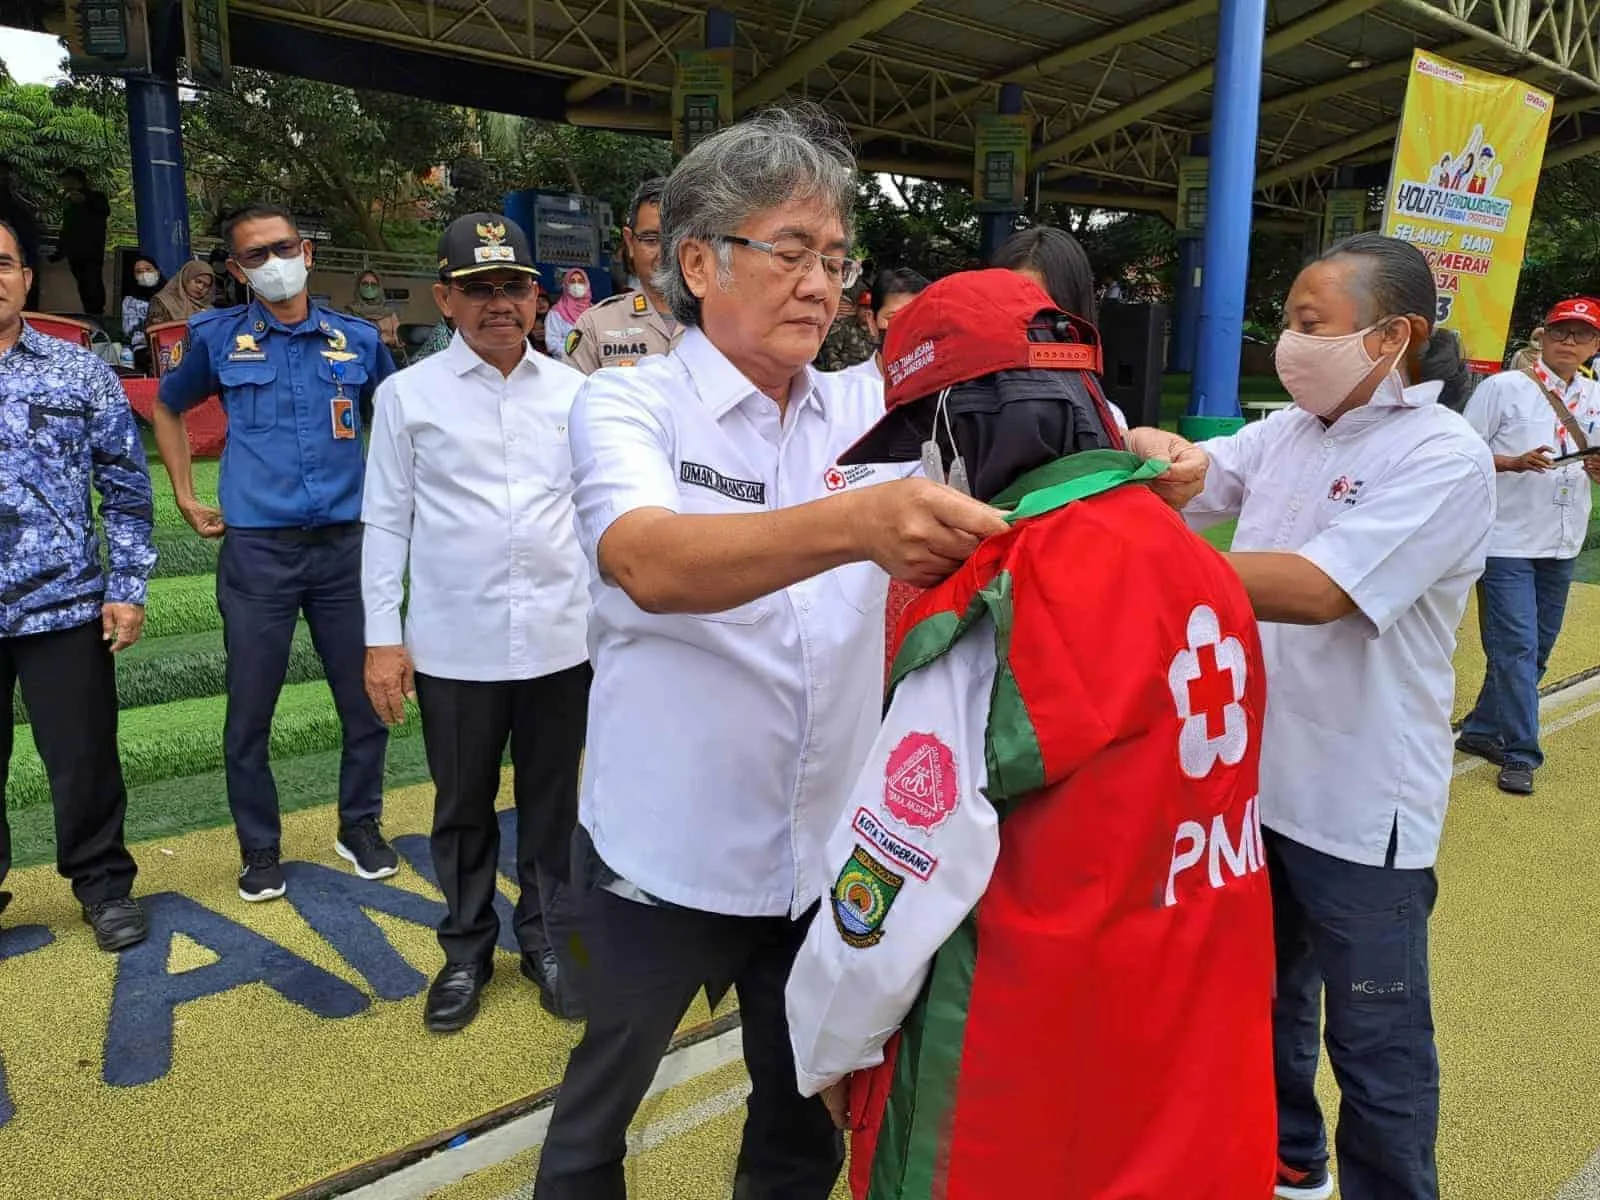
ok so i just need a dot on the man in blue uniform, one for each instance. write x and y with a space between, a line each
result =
293 377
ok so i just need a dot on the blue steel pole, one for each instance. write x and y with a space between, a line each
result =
1235 114
160 200
719 28
1186 301
995 227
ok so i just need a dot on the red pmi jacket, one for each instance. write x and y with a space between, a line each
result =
1100 1026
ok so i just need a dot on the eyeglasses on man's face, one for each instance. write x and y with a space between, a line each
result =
481 291
256 256
651 238
793 256
1570 334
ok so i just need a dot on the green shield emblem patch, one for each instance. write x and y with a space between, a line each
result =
862 897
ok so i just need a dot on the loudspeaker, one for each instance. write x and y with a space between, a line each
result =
1131 338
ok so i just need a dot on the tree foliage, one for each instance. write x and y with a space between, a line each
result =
354 162
41 133
511 153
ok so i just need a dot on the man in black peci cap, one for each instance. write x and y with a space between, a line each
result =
469 484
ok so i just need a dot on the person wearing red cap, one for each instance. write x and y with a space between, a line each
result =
1531 418
1048 875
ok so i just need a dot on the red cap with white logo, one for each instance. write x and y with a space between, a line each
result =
976 323
964 327
1579 308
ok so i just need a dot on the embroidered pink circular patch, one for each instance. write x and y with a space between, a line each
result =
919 781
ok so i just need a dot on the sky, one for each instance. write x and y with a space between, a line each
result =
31 57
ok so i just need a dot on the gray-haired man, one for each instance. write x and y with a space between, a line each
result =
737 642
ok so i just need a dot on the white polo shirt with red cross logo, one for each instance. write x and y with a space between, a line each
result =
1394 502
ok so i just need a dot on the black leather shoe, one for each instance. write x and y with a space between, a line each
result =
117 924
544 969
453 997
1481 748
1516 778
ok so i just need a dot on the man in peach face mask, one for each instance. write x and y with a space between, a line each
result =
1364 517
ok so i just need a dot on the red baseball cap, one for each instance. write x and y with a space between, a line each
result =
1579 308
962 328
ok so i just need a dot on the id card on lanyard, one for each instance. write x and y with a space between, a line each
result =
341 408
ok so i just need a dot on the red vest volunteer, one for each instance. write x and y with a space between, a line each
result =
1050 873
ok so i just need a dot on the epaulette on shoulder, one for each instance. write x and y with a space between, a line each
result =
613 299
216 314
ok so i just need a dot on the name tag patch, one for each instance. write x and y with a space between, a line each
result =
918 863
750 491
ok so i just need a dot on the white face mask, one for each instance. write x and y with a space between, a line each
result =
147 279
577 290
279 279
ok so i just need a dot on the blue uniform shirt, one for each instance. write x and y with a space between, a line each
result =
65 426
293 458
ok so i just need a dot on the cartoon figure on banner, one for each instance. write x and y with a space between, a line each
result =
1485 175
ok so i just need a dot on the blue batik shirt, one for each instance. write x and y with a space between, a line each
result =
293 395
65 426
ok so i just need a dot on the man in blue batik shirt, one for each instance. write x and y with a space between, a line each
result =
65 426
293 378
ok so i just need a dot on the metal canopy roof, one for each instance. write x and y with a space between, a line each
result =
1118 87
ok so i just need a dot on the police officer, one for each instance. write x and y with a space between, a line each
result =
620 331
293 377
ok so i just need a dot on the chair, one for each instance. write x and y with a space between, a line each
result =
166 340
79 333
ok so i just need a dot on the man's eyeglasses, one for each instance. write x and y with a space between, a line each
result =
481 291
647 239
793 255
1572 333
255 256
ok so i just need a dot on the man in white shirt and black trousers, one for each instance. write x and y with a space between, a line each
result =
470 479
1530 417
739 577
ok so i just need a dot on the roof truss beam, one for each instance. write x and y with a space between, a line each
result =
1292 34
780 77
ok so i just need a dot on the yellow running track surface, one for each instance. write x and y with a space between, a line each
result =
251 1052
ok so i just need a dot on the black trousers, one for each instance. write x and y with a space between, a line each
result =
70 687
91 284
465 727
642 967
265 580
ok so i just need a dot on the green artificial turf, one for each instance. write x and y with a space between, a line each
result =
181 604
185 667
185 737
205 472
171 807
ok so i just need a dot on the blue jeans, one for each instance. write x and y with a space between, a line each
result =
1520 605
1358 935
265 580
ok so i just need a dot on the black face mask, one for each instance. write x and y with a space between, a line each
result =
1007 424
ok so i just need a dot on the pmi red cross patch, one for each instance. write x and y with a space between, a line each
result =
919 782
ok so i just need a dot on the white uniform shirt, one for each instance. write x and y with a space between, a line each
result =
871 944
1394 503
469 475
1538 515
867 368
721 745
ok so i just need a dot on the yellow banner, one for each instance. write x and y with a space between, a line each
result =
1465 171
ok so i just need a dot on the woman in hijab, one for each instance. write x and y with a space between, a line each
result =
142 283
186 293
1054 260
370 304
565 312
